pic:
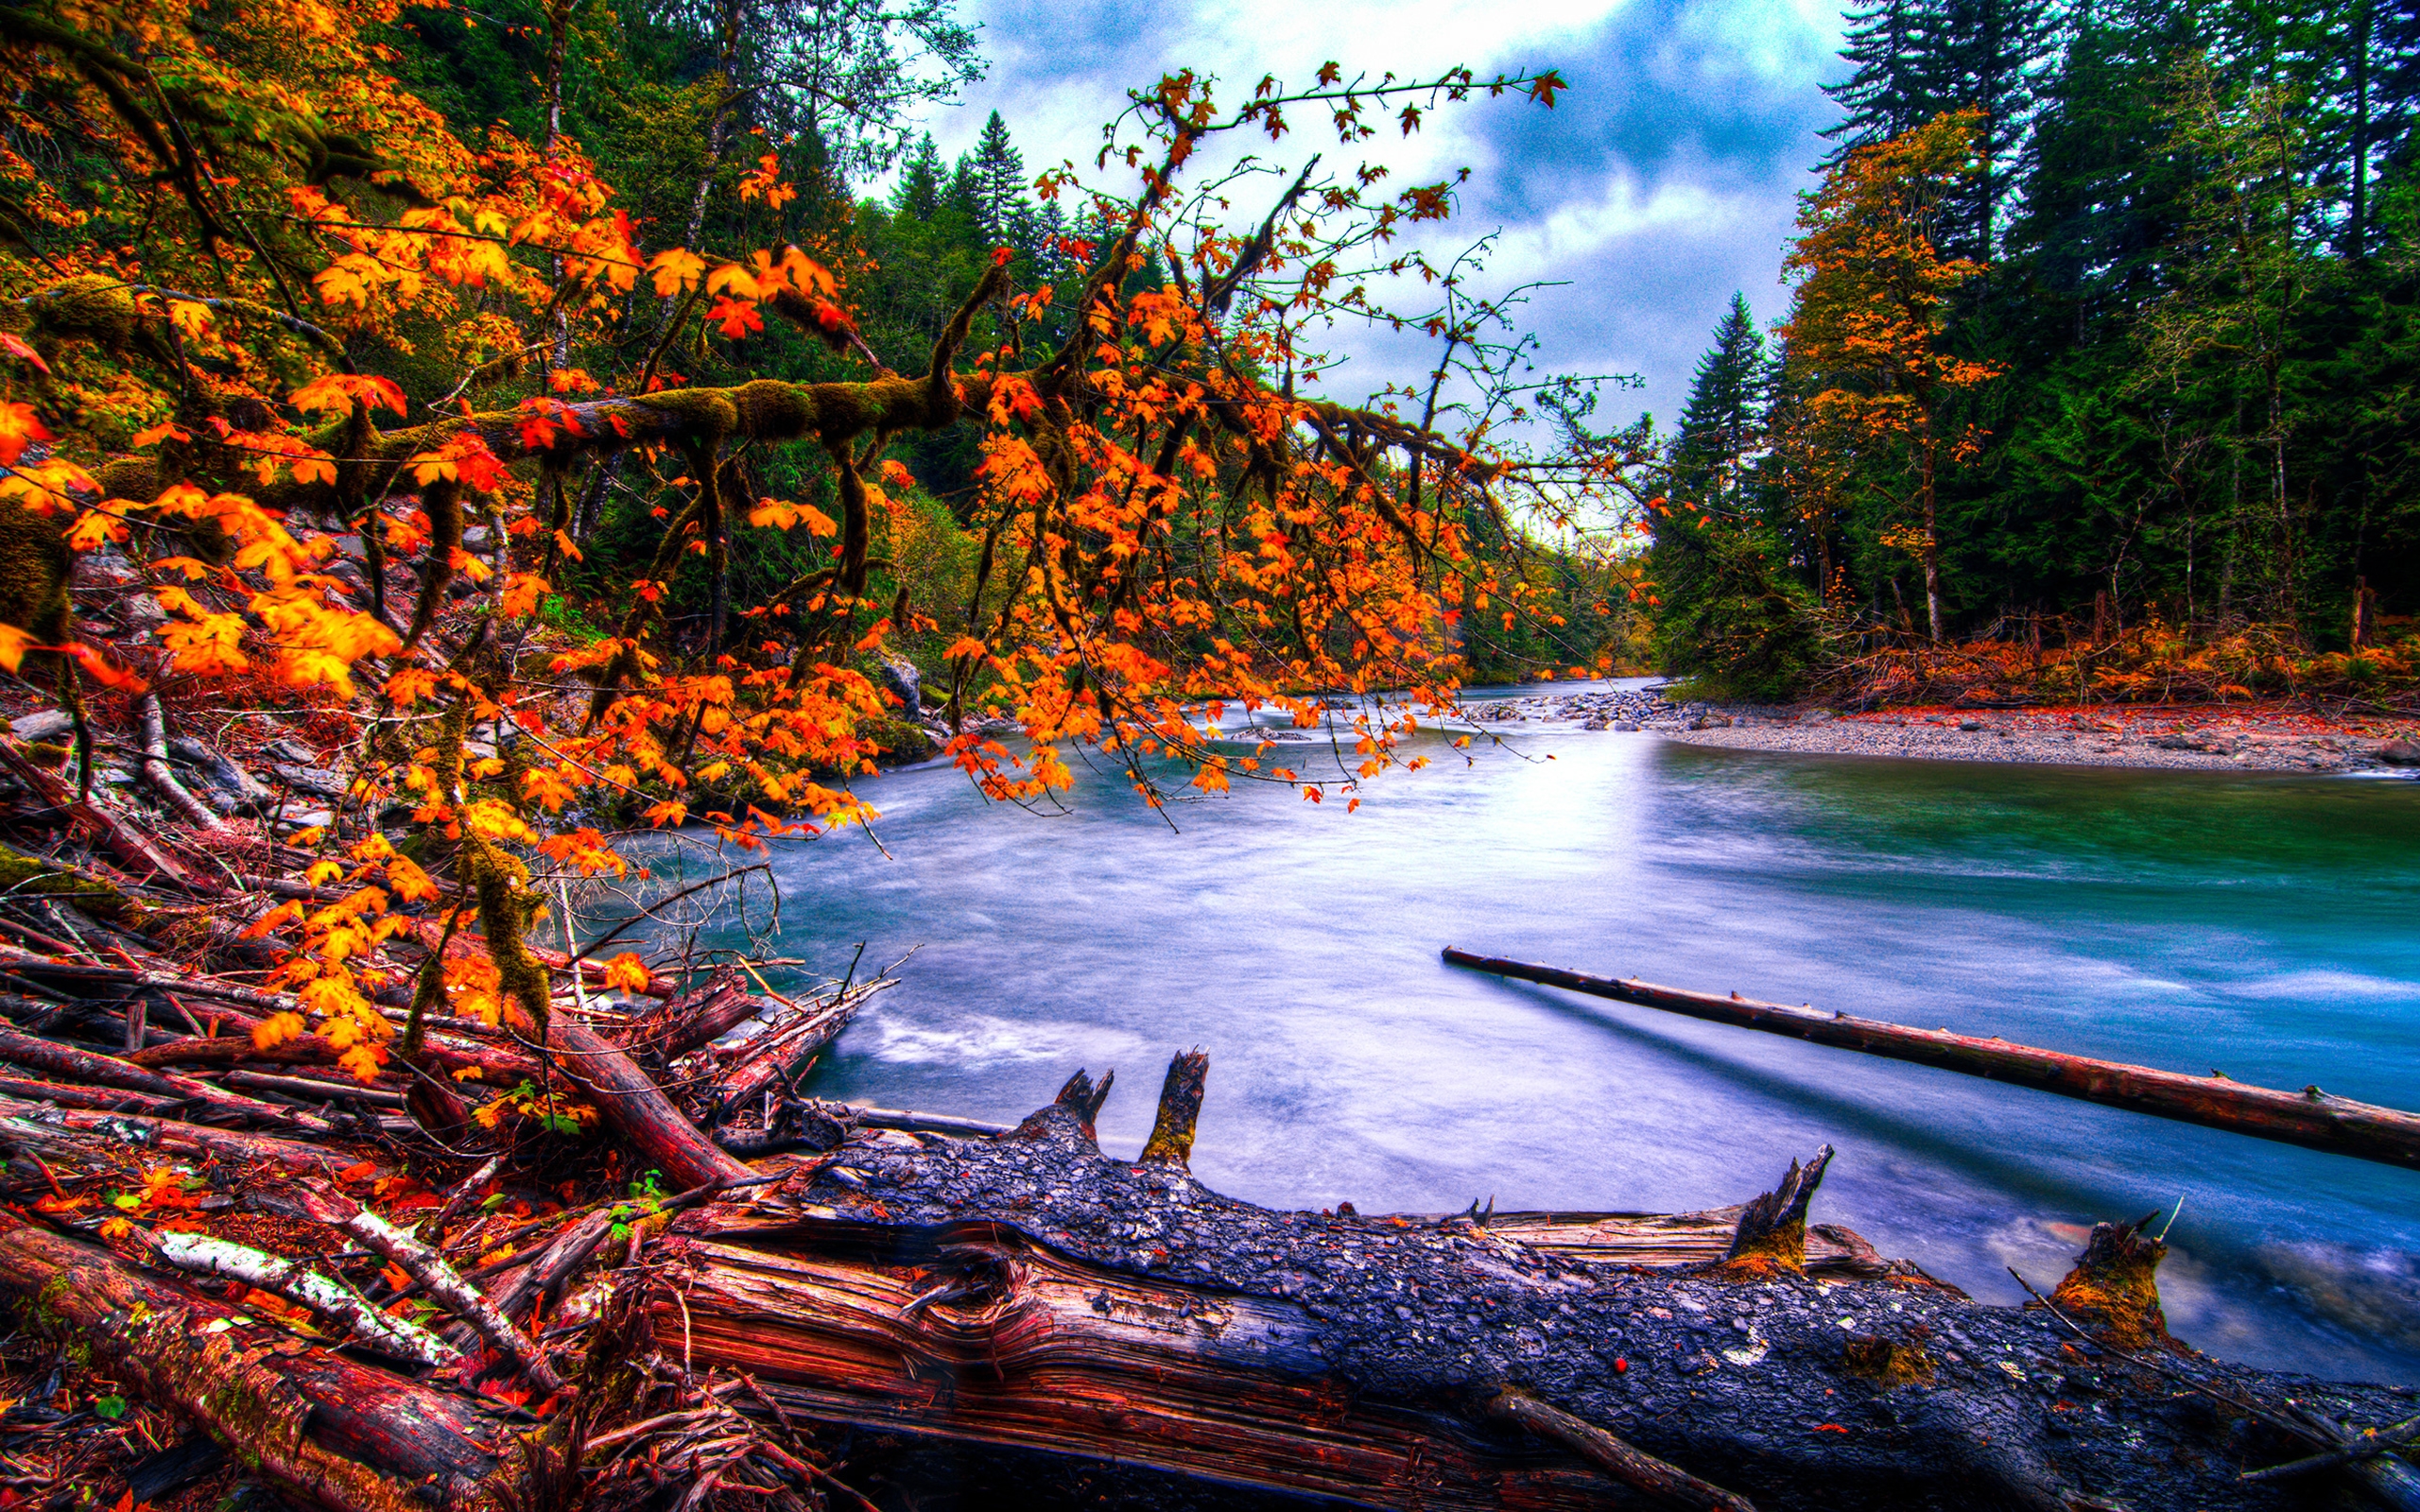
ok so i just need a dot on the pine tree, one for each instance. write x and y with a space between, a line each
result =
1887 93
1916 59
999 183
964 191
919 193
1722 427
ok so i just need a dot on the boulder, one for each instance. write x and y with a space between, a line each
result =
2400 754
898 675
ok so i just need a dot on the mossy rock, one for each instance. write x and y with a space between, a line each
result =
901 741
34 564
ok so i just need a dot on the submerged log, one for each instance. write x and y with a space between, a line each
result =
2309 1118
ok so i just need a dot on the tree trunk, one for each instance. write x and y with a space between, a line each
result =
1026 1293
2309 1118
1926 485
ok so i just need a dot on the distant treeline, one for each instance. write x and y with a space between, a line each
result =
2103 318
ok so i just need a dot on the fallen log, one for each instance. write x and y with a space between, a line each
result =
29 1126
109 1070
347 1434
2310 1118
637 1110
122 841
1025 1293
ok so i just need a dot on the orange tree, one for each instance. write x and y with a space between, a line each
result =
1866 361
329 380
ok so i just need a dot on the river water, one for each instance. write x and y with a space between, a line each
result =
2261 925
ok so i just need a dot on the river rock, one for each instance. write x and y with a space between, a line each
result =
42 725
898 675
314 780
2400 754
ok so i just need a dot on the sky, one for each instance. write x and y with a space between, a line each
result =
1665 179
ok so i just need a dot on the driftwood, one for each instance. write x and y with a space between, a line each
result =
1026 1293
2309 1118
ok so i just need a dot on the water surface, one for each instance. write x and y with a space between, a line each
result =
2257 924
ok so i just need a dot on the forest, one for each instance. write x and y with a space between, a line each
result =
2100 342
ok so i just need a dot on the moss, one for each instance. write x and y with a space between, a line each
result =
899 740
500 884
2115 1286
700 411
773 411
1886 1363
90 305
443 502
26 874
34 564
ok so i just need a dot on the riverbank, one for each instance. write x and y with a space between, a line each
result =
2250 737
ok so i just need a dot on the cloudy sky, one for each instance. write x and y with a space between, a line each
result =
1665 179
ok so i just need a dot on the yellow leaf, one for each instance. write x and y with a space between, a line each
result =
675 271
732 277
276 1029
13 643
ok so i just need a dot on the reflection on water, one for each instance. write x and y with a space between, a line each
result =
2258 925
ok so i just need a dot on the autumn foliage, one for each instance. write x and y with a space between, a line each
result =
334 384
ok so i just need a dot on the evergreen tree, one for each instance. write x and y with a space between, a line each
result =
1722 427
999 183
963 193
1916 59
1887 93
919 192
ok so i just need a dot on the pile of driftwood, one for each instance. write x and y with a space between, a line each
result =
625 1262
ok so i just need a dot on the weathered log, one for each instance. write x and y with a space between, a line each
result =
915 1122
429 1268
121 839
1773 1227
1026 1293
109 1070
298 1282
774 1059
2310 1118
58 1131
1180 1110
345 1434
1662 1482
690 1020
106 1099
497 1065
638 1110
157 774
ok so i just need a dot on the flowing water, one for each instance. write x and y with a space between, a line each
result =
2260 925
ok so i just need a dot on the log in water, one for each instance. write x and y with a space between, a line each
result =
2310 1118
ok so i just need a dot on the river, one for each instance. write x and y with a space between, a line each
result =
2261 925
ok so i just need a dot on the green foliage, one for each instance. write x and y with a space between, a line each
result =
1733 619
2199 222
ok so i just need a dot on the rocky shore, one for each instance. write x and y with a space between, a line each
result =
2240 738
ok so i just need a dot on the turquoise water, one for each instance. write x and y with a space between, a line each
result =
2257 924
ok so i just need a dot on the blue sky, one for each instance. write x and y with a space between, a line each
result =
1665 179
